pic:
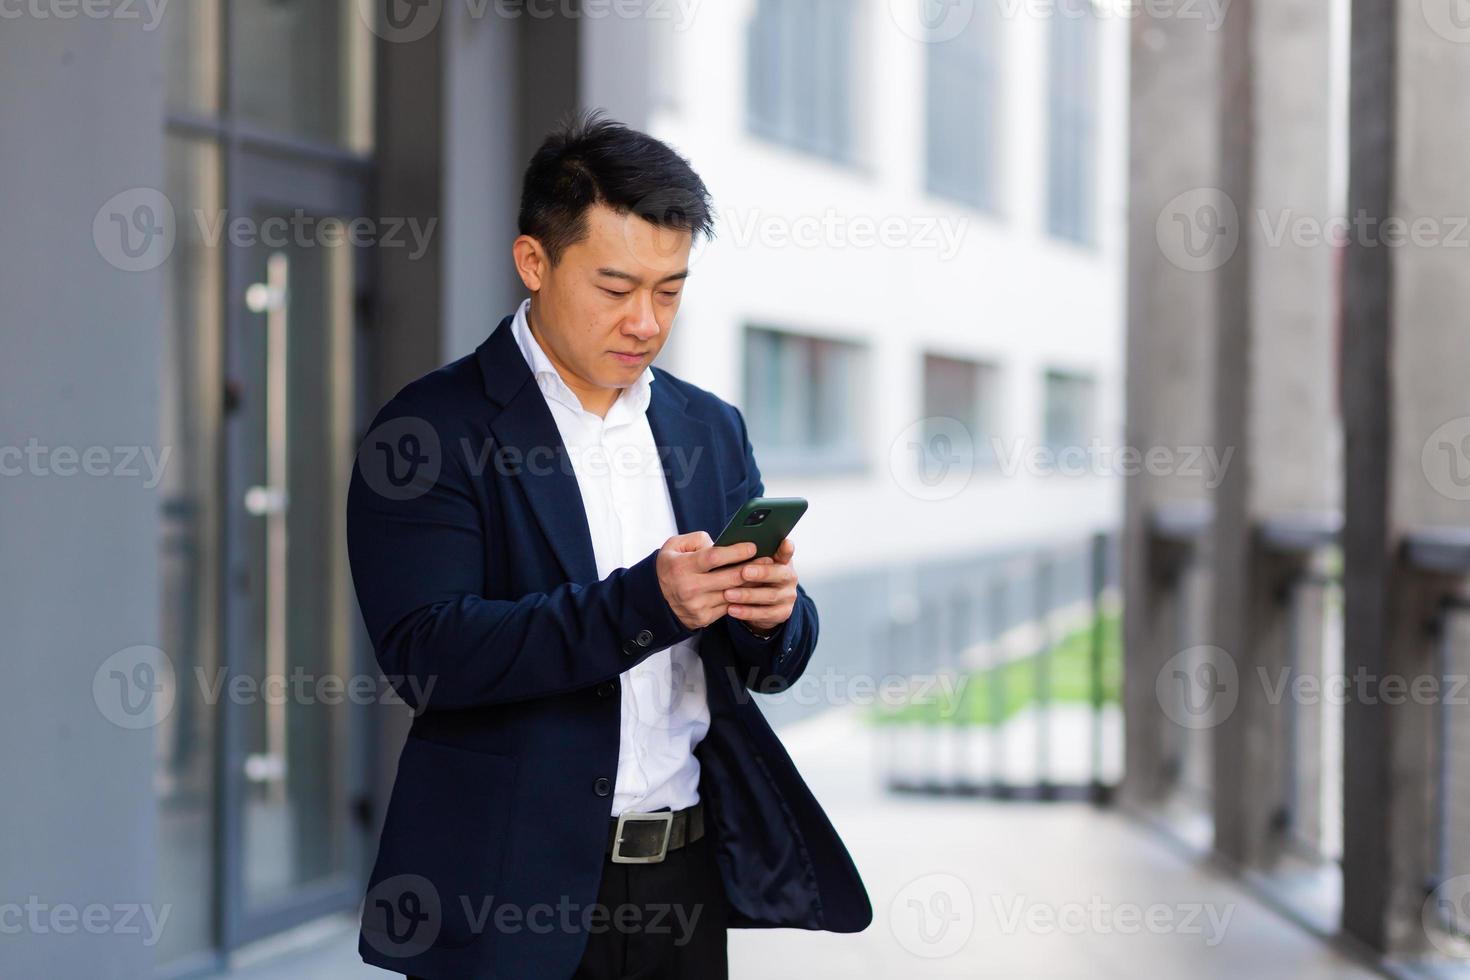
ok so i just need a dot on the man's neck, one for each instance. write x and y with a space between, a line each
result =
598 401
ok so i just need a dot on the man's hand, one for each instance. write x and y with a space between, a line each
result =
692 579
766 593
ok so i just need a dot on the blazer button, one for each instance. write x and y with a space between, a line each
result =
605 689
644 637
631 648
602 787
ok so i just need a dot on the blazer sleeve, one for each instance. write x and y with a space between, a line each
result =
417 566
772 664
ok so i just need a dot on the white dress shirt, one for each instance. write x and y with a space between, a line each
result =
629 512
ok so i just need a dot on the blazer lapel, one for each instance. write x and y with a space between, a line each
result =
686 450
540 462
684 443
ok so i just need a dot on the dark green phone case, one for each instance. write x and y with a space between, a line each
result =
781 516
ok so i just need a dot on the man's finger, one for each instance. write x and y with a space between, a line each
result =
773 574
693 541
728 555
786 551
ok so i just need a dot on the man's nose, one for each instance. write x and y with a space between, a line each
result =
641 323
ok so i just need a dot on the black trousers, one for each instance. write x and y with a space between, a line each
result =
663 921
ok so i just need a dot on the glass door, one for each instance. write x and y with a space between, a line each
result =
295 778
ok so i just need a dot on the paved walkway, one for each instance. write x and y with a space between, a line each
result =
980 890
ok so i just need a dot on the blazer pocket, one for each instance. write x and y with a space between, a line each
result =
443 844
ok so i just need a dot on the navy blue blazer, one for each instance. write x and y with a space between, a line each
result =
475 574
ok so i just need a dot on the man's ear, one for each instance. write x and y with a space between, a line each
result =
532 262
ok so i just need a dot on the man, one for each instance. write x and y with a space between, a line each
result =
588 789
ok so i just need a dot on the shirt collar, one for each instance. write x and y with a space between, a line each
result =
633 399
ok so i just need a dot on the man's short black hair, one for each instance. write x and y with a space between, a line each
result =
590 159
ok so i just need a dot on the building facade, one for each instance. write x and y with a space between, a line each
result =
234 229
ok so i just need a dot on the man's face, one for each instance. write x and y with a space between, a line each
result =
605 310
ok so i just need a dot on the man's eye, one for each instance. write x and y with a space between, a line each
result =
669 294
614 292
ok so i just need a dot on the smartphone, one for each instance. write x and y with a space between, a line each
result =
764 520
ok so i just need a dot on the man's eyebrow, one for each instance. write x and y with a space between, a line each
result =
635 280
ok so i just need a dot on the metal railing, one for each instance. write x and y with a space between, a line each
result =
1005 682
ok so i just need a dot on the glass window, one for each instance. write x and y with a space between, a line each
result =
968 392
189 553
1070 404
801 399
1072 122
961 100
304 69
799 75
191 45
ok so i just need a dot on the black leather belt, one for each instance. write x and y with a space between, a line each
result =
644 838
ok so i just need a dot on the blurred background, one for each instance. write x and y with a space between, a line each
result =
1119 345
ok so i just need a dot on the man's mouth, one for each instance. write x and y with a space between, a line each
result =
626 358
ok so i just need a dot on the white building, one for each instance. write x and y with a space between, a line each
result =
911 225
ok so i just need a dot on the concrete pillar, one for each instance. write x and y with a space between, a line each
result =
1407 417
1273 364
1172 153
86 239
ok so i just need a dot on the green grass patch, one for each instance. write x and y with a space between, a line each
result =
996 693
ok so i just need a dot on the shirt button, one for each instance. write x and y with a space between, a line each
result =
605 689
602 787
645 637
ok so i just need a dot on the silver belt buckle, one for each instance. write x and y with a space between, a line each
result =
667 817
